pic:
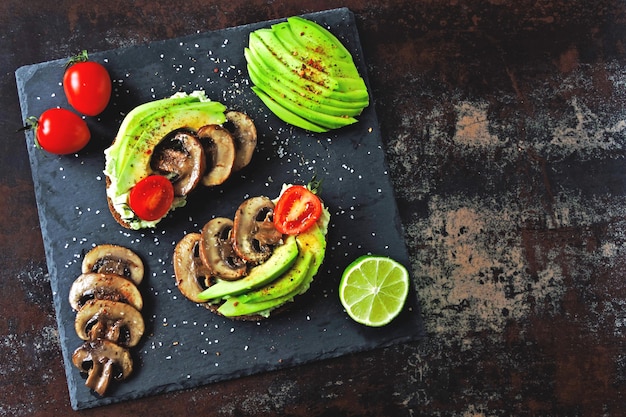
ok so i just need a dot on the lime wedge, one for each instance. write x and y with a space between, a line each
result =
373 290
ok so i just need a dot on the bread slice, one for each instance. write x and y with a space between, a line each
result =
114 212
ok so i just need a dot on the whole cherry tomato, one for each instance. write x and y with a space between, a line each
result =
151 198
60 131
87 85
297 209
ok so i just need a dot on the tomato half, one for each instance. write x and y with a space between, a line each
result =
87 86
151 198
296 210
61 131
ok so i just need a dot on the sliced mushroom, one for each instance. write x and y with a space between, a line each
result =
245 135
92 285
219 148
103 361
254 234
217 252
117 322
180 157
113 259
192 276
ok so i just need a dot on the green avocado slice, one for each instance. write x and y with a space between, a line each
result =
296 281
285 284
232 307
261 53
305 75
324 59
286 115
267 81
312 33
308 91
132 153
299 107
281 260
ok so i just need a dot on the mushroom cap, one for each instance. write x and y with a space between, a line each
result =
217 252
180 157
114 259
102 360
192 276
245 135
254 233
219 148
93 285
118 322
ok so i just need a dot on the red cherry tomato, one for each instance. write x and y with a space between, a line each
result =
60 131
297 210
87 85
152 197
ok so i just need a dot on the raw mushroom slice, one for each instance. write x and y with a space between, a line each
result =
254 234
117 322
103 361
219 149
245 135
113 259
192 276
217 252
93 285
180 157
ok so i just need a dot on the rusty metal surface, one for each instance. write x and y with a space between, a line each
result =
505 128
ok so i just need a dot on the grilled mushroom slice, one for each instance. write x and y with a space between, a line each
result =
244 132
180 157
93 285
113 259
117 322
103 361
219 148
254 234
192 276
217 252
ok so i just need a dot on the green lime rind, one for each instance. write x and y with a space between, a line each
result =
373 290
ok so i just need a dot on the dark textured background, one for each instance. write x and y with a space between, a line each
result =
505 128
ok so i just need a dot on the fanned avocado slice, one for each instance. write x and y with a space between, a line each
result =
281 260
297 280
314 65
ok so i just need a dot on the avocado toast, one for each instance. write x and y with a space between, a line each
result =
181 138
265 285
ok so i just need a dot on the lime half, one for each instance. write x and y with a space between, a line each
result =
373 290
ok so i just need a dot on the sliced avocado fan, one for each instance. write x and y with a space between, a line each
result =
305 75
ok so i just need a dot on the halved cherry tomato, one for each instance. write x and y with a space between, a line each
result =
87 85
296 210
60 131
152 197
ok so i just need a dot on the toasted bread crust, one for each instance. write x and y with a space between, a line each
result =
114 212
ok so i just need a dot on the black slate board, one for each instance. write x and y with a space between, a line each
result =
184 345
